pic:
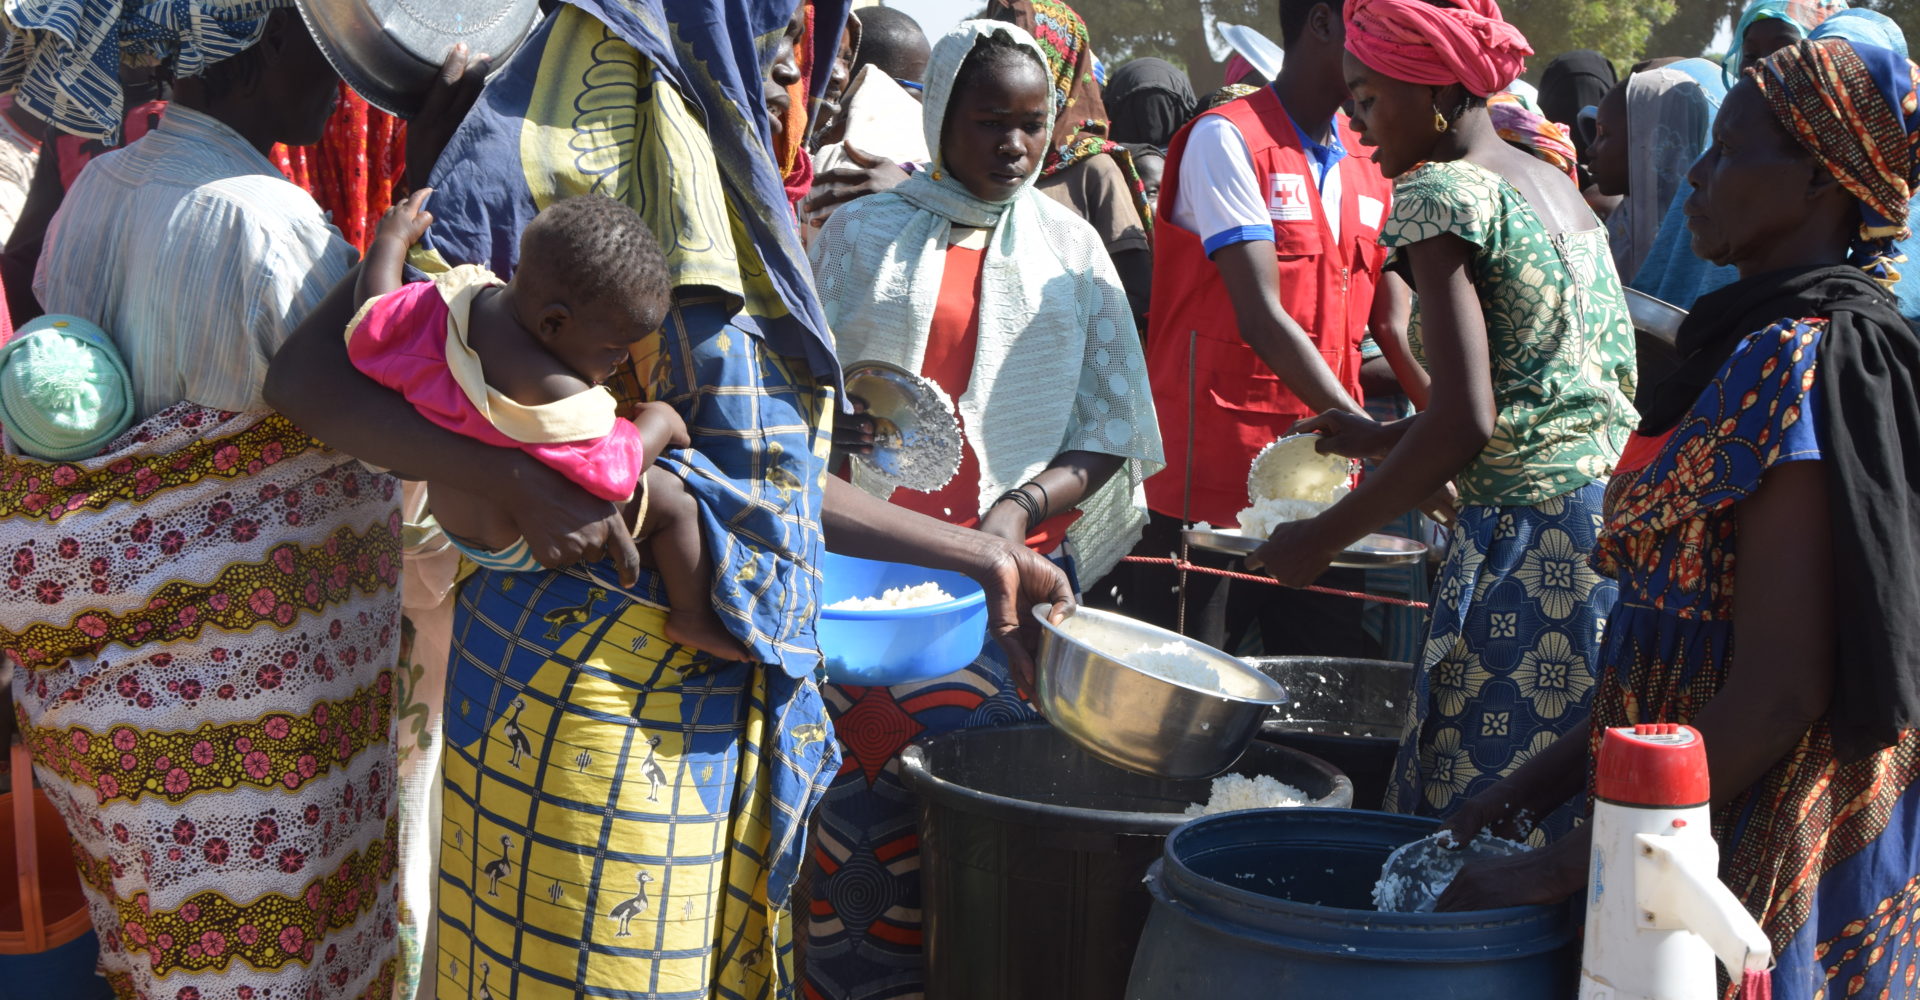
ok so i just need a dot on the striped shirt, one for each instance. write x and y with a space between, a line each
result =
192 251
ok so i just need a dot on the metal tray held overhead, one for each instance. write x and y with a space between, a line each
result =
389 50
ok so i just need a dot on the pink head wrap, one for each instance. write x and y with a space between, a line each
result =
1421 43
1237 69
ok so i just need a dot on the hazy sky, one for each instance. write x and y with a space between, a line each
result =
935 16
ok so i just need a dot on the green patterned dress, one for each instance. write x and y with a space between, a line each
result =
1510 660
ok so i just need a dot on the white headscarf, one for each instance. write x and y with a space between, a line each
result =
1052 315
1669 118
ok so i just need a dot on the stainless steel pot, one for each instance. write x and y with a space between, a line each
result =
1142 721
1654 317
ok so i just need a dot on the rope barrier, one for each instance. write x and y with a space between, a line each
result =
1231 575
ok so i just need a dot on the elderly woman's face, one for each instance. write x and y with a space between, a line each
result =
1748 187
1392 116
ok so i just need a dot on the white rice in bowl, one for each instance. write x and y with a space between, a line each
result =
896 598
1259 520
1177 662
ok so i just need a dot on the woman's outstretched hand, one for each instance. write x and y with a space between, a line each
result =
1017 580
1296 554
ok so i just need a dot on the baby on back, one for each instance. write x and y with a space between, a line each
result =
519 364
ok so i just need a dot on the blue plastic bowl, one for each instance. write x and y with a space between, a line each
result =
883 648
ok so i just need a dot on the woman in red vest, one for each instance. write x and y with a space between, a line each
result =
1526 334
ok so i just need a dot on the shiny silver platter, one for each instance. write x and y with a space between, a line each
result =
1371 552
916 437
1655 317
389 50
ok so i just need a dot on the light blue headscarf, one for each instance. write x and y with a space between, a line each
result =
1803 14
1868 27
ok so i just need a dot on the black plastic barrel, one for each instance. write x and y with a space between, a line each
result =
1278 903
1350 713
1033 855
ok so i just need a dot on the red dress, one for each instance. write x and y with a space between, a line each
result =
952 339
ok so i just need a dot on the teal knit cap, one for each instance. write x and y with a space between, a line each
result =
64 392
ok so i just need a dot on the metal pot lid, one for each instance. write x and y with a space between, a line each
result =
389 50
917 440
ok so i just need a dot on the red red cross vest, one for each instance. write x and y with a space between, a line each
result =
1238 405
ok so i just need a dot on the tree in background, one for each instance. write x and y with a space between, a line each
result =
1175 29
1693 26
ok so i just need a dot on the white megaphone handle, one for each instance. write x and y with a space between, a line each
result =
1677 887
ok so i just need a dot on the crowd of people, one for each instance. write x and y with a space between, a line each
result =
436 613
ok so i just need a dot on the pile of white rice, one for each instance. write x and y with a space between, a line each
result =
1234 792
1177 662
1259 520
917 596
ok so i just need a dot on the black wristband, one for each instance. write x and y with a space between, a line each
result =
1046 500
1026 503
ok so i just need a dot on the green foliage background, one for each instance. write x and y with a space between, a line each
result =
1626 30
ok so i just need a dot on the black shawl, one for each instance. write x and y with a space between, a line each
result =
1869 372
1147 102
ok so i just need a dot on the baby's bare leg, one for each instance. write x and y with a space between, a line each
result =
670 540
472 518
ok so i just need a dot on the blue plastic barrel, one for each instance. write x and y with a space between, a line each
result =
1278 904
63 973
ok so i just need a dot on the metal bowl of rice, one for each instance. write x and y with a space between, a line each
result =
1147 699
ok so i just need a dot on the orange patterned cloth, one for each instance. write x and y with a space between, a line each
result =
354 169
206 620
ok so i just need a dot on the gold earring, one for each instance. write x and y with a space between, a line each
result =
1440 123
937 175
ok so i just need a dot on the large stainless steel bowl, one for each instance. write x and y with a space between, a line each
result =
1142 721
389 50
1655 317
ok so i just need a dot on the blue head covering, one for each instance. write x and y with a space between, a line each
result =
1868 27
1805 15
1670 271
65 55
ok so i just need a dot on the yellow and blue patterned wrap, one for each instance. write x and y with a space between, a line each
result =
624 818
